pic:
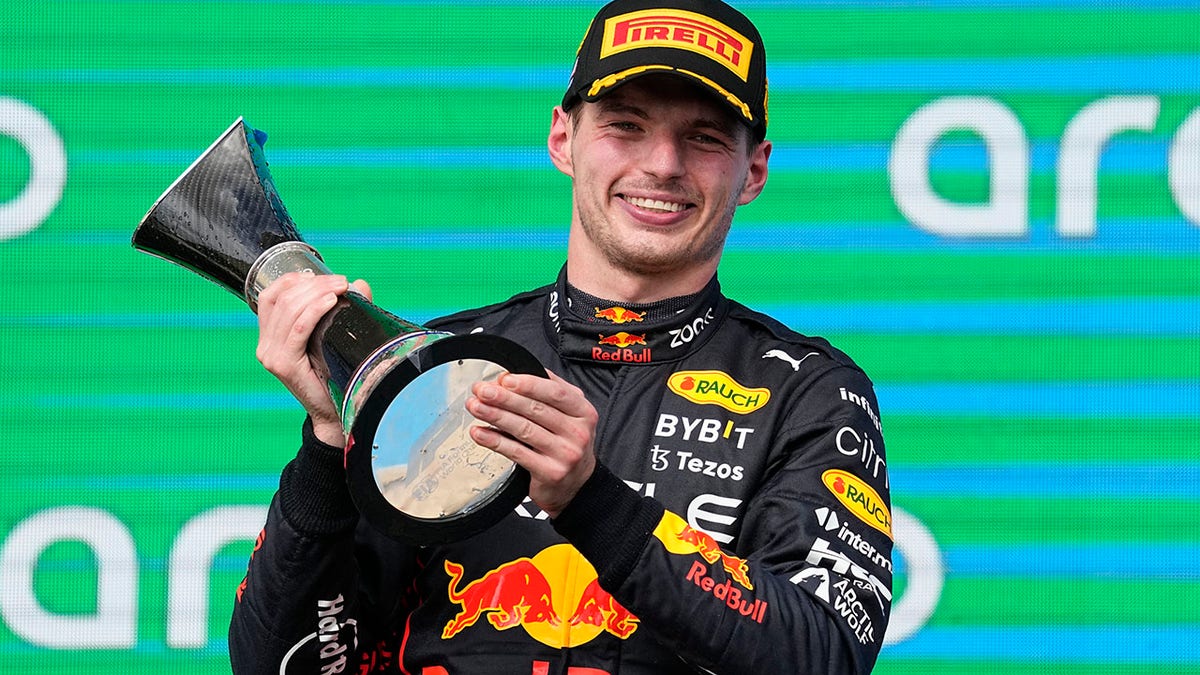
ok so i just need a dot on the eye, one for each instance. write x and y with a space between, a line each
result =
713 141
624 125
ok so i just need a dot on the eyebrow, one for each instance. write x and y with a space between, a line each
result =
610 104
613 105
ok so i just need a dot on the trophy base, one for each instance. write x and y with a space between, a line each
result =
413 470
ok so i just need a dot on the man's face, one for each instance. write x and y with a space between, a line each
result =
658 169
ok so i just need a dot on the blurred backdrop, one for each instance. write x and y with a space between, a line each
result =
993 207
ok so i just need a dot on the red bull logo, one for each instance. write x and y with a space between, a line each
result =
700 574
509 595
621 355
554 596
682 539
622 339
597 608
258 542
619 315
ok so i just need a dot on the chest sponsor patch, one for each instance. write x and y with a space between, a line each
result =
713 387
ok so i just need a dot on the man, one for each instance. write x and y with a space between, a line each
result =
708 488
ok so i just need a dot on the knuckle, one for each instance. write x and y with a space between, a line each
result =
581 439
590 417
561 392
301 327
524 431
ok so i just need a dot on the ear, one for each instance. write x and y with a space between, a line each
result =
756 175
559 141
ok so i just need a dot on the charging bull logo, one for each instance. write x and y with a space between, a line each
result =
620 315
554 596
623 339
598 608
682 539
622 353
509 595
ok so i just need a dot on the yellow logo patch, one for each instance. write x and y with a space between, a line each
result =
713 387
862 500
681 30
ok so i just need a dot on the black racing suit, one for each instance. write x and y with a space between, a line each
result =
737 521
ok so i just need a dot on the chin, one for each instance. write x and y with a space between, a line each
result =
649 263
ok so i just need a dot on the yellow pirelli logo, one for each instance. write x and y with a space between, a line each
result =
682 30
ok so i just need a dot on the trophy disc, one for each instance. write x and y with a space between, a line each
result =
414 471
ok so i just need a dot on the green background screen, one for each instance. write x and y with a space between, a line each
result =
993 207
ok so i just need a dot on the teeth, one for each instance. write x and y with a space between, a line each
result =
656 204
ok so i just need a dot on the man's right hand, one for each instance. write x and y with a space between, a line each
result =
288 312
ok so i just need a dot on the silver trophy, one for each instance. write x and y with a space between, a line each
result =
413 470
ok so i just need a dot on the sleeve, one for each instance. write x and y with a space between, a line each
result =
809 587
304 606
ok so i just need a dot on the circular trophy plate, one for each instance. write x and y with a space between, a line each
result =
414 472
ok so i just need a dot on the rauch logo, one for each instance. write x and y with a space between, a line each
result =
713 387
862 500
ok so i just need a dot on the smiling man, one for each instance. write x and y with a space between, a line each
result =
658 169
708 488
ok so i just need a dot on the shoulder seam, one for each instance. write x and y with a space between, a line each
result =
463 315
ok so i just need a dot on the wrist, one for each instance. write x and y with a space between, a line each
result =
609 523
313 494
329 432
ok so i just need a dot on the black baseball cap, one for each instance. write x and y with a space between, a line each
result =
704 40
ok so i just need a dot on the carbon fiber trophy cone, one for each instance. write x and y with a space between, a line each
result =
413 470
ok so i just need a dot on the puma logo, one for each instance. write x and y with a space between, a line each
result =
784 356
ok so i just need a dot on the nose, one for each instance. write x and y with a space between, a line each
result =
663 157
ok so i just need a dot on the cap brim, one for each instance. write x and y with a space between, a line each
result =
602 86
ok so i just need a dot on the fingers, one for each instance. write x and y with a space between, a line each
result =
511 431
536 410
363 288
288 311
545 425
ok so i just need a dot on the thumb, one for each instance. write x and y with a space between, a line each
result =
362 287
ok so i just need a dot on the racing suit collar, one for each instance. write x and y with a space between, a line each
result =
594 330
